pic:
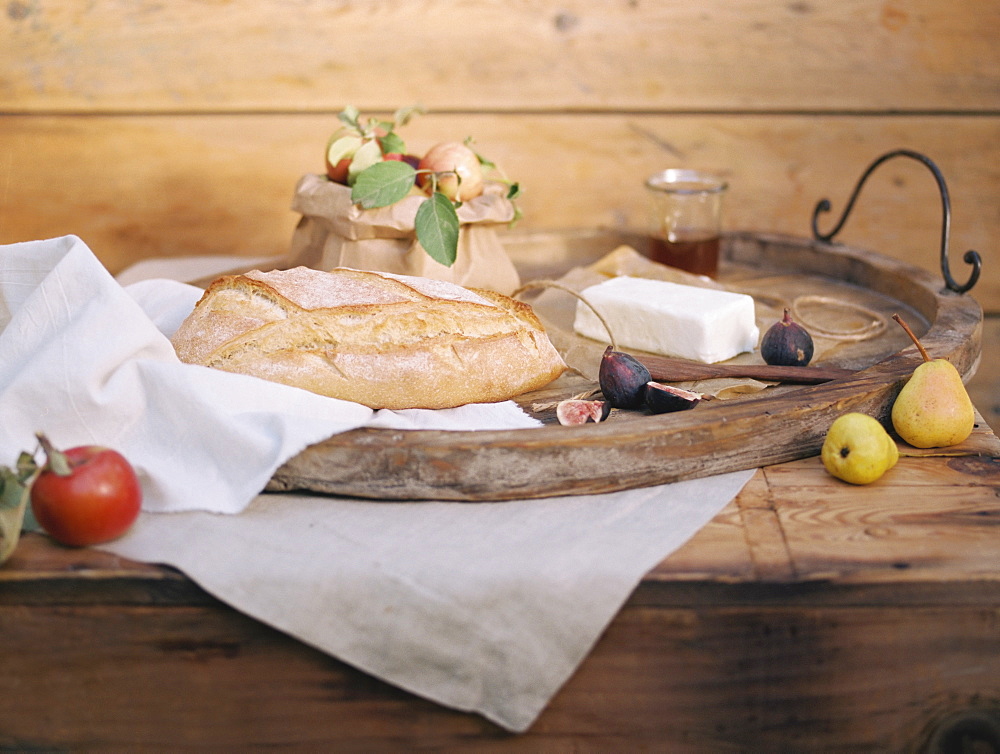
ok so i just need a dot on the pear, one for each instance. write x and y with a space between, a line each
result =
857 449
933 410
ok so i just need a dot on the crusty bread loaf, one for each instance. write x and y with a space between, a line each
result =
383 340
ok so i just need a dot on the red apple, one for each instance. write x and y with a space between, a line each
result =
338 173
344 145
411 159
85 495
340 150
451 161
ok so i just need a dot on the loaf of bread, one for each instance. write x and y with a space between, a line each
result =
383 340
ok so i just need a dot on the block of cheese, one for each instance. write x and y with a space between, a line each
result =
685 321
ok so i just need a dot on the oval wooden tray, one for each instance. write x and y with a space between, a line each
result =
773 426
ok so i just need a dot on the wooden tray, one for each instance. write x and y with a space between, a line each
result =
773 426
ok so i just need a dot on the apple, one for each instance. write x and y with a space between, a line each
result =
351 150
85 495
338 172
458 170
340 149
410 159
369 153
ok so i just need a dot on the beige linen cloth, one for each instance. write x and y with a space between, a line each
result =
485 607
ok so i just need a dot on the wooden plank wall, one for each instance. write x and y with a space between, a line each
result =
157 129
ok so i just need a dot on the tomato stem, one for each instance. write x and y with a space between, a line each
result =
55 459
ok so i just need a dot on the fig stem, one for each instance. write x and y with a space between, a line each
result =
917 343
559 286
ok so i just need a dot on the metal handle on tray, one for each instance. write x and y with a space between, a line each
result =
970 257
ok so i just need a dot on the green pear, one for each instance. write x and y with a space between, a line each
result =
933 409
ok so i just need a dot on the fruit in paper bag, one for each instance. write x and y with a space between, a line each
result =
933 410
358 143
340 150
786 343
456 170
86 495
857 449
370 157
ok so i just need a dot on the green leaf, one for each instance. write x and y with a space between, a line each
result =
514 191
30 523
392 143
437 228
14 482
403 115
382 184
15 492
374 126
349 117
10 488
26 466
485 163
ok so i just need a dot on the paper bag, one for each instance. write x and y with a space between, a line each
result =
335 232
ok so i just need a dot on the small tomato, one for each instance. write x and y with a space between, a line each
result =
85 495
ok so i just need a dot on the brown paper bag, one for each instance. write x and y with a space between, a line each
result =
334 232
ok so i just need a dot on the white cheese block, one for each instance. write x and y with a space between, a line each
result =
702 324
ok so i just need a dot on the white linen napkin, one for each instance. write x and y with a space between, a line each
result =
484 607
83 361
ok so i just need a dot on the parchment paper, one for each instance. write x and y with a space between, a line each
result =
557 309
334 232
483 607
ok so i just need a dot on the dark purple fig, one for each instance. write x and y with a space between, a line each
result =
787 344
662 399
623 379
574 411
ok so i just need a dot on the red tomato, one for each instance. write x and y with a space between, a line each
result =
97 501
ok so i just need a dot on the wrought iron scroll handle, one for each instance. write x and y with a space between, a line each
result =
970 257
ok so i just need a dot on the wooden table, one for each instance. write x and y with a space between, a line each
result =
808 615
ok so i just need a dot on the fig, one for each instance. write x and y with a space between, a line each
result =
623 379
575 411
787 344
663 399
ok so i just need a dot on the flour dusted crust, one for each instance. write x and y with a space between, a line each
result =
383 340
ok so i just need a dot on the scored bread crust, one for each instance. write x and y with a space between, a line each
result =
382 340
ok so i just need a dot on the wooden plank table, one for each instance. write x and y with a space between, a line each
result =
808 615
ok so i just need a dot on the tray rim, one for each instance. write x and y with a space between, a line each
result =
416 465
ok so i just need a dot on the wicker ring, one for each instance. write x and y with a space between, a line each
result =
875 326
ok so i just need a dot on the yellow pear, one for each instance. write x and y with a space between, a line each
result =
857 449
933 409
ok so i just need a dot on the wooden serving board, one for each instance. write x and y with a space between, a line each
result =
632 449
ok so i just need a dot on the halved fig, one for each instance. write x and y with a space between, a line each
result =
663 399
575 411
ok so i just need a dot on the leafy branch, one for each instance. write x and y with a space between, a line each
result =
15 491
380 181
